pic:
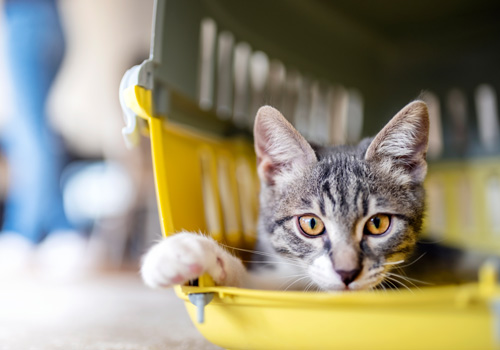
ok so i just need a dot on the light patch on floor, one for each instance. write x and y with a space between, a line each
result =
112 311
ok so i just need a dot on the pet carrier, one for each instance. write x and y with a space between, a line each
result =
213 63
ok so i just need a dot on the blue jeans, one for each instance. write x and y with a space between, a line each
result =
35 48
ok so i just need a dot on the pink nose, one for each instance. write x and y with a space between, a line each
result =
348 276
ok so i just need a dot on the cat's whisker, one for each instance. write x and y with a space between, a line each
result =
395 276
292 276
398 282
309 285
390 284
373 281
289 278
382 285
376 288
257 252
410 279
393 262
297 280
273 262
405 276
393 286
414 261
290 284
402 274
305 288
401 271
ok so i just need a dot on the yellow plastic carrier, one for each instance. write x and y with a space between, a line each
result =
205 177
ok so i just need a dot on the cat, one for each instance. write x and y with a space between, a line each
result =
331 218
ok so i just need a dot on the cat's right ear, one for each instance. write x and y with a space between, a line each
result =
401 146
281 150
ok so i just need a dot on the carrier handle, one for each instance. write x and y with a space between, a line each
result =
140 75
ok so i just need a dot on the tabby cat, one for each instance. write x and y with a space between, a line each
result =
332 218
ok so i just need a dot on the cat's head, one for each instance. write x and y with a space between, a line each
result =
347 215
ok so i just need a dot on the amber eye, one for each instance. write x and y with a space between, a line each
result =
378 224
311 225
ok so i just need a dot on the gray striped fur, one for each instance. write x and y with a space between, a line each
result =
344 186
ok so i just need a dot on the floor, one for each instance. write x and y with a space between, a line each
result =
106 312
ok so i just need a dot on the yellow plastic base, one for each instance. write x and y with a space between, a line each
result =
432 318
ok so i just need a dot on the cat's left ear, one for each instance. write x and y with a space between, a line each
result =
281 150
402 143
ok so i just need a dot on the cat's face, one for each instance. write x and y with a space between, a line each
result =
347 215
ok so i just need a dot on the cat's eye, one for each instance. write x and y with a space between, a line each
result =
311 225
378 224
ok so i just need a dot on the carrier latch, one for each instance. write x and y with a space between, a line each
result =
200 300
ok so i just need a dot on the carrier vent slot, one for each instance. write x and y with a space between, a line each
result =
229 201
211 200
230 197
248 200
487 117
242 52
492 190
225 75
466 208
339 102
436 131
319 118
456 103
259 73
436 208
208 36
244 80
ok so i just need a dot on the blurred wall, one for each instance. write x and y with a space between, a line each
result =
103 40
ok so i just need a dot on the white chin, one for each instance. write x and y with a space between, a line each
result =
330 287
343 287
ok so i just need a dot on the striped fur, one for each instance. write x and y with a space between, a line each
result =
344 186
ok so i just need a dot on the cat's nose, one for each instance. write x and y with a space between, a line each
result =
347 276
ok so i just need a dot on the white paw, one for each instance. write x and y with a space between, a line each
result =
181 258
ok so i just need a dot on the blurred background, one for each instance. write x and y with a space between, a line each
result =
79 209
101 181
69 278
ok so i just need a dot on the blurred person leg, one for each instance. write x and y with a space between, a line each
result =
35 48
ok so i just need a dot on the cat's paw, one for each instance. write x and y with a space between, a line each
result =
186 256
